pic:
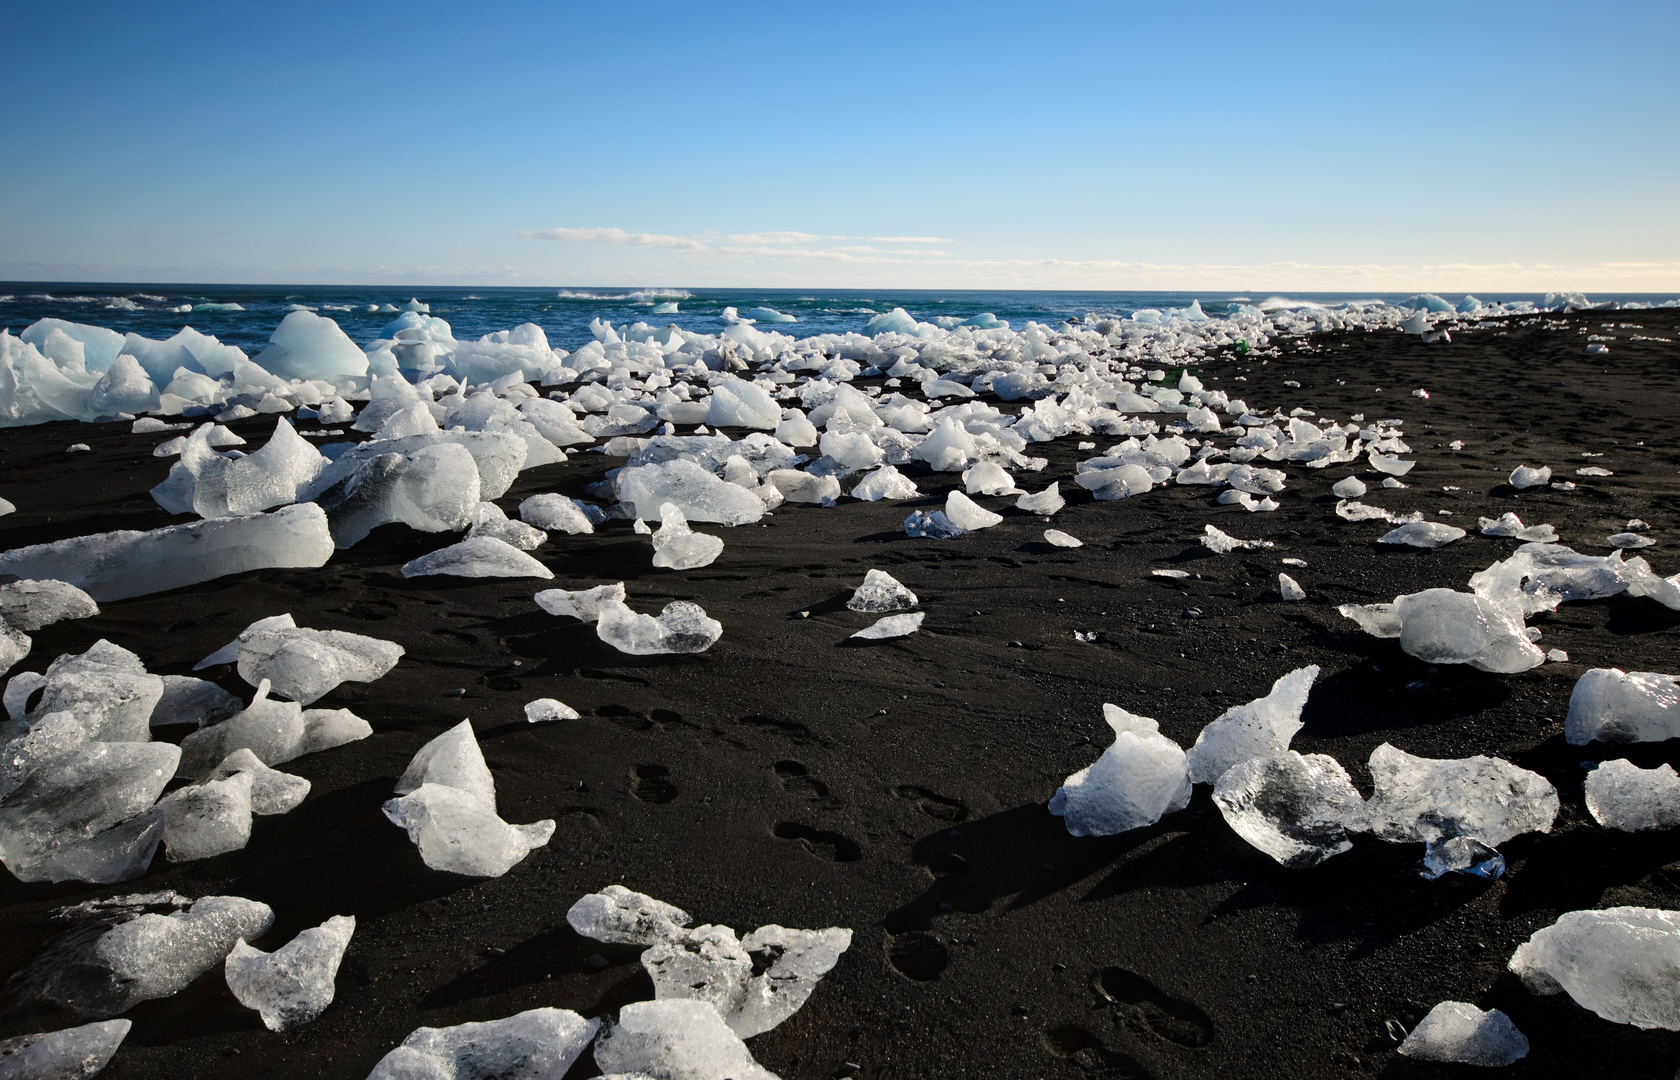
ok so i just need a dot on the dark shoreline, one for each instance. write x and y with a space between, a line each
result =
898 788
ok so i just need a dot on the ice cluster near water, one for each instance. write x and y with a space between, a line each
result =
295 983
539 1044
1622 963
1616 706
1456 1031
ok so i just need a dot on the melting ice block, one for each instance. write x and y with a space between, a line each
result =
1523 477
677 547
1261 728
1430 799
967 515
709 964
1058 538
1290 589
989 478
1296 808
118 565
556 513
1422 534
1138 779
489 520
1539 577
881 591
892 626
434 488
1443 626
208 819
804 487
1350 488
547 710
304 664
933 524
675 1038
192 701
477 557
72 1054
1616 706
272 791
539 1044
295 983
213 485
682 627
621 917
1510 525
454 760
1456 1031
31 605
106 689
1621 795
885 483
1391 466
584 604
700 495
1045 502
1622 963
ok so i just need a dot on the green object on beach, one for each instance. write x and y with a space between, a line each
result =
1242 347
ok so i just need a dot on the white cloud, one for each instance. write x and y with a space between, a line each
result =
615 237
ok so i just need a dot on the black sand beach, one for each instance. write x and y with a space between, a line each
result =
898 788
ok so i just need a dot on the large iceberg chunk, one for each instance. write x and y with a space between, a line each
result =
736 403
1429 799
213 485
118 565
1621 795
1456 1031
1623 963
682 627
308 346
433 489
1616 706
1138 779
295 983
1296 808
539 1044
1261 728
675 1039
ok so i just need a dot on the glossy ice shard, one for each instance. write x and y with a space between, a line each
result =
489 520
1460 855
619 916
584 604
303 664
885 482
1222 543
295 983
677 547
1622 963
1261 728
1429 799
892 626
208 819
1422 534
1296 808
192 701
1456 1031
272 791
1616 706
1443 626
71 1054
273 730
932 524
548 710
1044 503
433 489
700 495
881 591
31 605
457 832
675 1039
454 760
966 514
556 513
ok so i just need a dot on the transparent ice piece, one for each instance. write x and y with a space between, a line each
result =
295 983
1296 808
1261 728
1456 1031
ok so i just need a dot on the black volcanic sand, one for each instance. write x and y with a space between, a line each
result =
898 788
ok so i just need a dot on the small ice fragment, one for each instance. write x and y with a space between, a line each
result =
880 591
1429 799
295 983
682 627
1222 543
488 519
79 448
1045 502
547 710
272 791
1509 524
1566 485
966 514
677 547
677 1039
1296 808
1456 1031
1422 534
31 605
884 483
1290 589
538 1044
1461 855
621 917
1631 540
1456 444
1391 482
1174 574
1594 470
584 604
1636 525
1420 392
989 478
1060 539
1393 466
1350 488
477 557
892 626
1261 728
1616 706
1622 963
1556 656
931 524
1290 561
1523 477
1621 795
71 1054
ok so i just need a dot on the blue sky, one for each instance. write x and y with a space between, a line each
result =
1523 146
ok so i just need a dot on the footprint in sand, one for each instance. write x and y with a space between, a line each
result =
933 804
653 784
1091 1054
1146 1007
824 845
797 779
917 955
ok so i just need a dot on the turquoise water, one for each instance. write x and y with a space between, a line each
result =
565 314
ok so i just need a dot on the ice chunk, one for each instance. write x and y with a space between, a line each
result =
304 664
1392 466
229 653
1222 543
584 604
118 565
192 701
853 451
1296 808
309 346
478 557
988 478
621 917
272 791
700 495
556 513
736 403
1261 728
892 626
1460 855
1045 502
884 483
1643 581
1622 963
1456 1031
1350 488
1290 589
681 628
453 759
213 485
1616 706
1423 534
1630 540
324 729
72 1054
457 832
539 1044
1442 626
932 524
1508 524
547 710
107 691
31 605
489 520
675 1039
273 730
295 983
1621 795
433 489
1523 477
1428 799
1139 778
804 487
148 957
881 591
208 819
1539 577
793 961
1058 538
949 448
677 547
967 515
